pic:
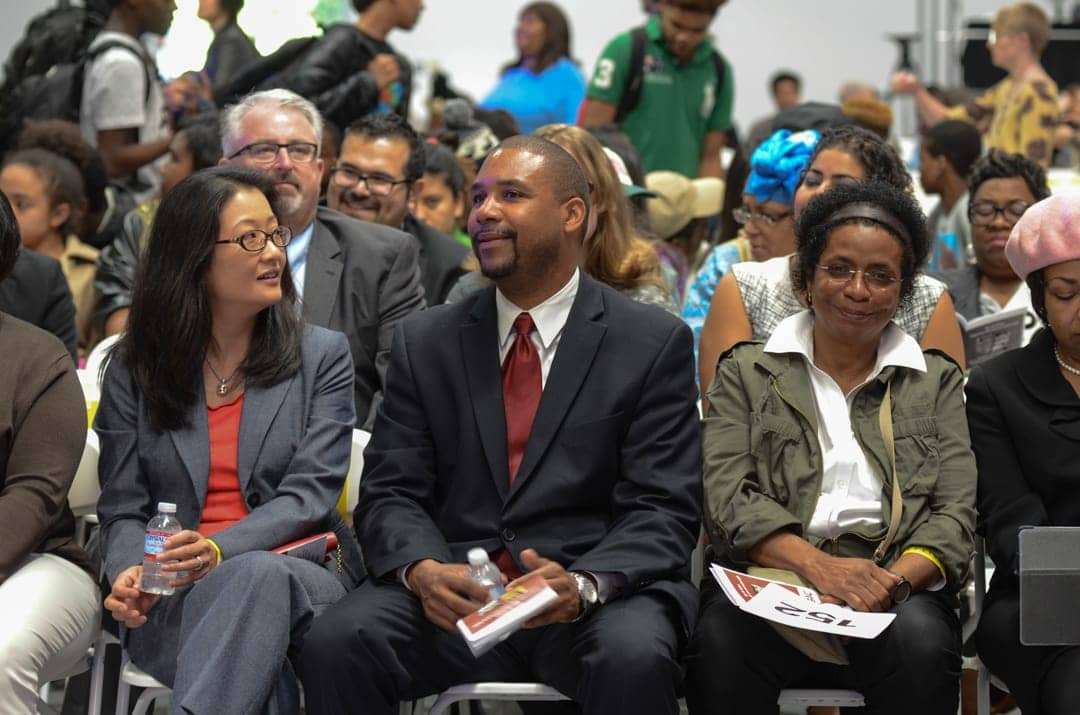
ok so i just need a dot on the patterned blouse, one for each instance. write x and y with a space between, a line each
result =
1017 118
700 293
769 298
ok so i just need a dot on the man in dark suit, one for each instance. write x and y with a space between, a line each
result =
380 169
37 292
581 461
356 277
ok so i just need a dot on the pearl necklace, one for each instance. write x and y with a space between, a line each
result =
1067 367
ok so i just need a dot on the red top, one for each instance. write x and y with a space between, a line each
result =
224 501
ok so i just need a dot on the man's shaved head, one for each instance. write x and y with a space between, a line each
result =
565 177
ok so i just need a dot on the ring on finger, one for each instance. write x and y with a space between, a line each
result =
202 564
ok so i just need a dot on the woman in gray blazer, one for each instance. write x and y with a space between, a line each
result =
219 400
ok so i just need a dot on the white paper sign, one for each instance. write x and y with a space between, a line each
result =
778 604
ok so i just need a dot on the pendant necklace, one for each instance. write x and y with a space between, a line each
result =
223 382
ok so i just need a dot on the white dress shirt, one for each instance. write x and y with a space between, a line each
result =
297 253
851 491
549 318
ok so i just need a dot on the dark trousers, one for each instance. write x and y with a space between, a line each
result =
737 663
375 648
1045 680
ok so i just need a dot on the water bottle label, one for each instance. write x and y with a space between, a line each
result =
155 543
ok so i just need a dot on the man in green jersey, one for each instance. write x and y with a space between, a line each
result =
667 88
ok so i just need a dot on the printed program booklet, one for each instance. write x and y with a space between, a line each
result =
492 623
990 335
796 606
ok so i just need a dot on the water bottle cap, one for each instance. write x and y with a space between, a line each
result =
478 557
166 507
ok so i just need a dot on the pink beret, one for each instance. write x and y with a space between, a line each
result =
1047 233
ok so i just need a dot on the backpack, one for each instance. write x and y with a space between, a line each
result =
636 81
55 93
55 37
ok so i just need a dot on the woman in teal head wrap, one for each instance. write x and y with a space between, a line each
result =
766 215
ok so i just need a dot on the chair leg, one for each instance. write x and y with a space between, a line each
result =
142 705
123 696
982 695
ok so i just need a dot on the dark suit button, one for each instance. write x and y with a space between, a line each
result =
254 500
508 535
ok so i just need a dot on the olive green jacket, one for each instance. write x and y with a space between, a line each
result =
763 461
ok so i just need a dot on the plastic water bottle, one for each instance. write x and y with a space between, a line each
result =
158 530
485 573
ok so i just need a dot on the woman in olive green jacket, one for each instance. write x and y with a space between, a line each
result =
799 476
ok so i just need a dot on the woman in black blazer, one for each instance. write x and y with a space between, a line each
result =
219 400
1024 415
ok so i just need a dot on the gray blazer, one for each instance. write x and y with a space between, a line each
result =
295 442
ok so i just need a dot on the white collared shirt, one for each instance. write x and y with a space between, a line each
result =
549 318
297 253
851 491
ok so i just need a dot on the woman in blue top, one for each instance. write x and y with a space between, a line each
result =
543 86
766 214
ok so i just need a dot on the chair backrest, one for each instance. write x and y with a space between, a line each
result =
97 357
85 489
351 493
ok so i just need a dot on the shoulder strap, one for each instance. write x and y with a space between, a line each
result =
111 44
632 90
886 424
721 71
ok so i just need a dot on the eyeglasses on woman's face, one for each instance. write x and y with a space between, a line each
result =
984 213
877 279
744 215
255 240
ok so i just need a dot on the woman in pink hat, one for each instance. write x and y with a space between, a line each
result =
1024 414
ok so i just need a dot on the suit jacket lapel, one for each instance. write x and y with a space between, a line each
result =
261 405
480 347
193 445
321 277
577 348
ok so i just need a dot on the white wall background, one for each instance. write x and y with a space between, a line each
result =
826 41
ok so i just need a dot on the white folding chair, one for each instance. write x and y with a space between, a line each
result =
351 493
132 677
803 699
85 489
982 694
99 356
495 691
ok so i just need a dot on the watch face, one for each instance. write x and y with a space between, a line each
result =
902 591
586 588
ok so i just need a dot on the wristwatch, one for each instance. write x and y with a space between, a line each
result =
901 591
587 595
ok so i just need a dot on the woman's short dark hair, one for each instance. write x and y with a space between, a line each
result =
440 161
203 135
556 35
169 329
1002 165
10 242
66 139
879 160
62 180
1036 282
816 223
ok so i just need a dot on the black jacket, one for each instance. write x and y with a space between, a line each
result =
230 52
37 292
611 476
119 260
1025 430
441 260
333 74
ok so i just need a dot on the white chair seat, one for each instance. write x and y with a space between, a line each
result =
494 691
136 678
800 698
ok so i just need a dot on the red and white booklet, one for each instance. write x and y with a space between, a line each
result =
494 622
797 606
313 548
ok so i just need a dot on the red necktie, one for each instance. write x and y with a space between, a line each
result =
522 388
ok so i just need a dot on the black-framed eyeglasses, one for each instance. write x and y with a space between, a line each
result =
875 278
347 178
743 215
267 152
985 213
255 240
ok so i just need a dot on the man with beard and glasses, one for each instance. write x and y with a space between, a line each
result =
379 169
352 276
551 421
